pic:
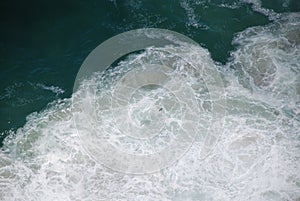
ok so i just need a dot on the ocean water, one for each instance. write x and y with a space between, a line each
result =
255 48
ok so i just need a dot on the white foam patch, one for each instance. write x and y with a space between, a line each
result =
54 89
22 93
256 158
193 18
257 7
267 61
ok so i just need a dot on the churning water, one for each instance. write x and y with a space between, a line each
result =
255 155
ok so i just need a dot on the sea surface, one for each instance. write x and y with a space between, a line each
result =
255 47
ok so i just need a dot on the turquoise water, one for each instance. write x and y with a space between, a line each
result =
255 47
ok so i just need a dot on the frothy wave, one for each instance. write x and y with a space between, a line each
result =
257 157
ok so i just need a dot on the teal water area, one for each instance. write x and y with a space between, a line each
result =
43 43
